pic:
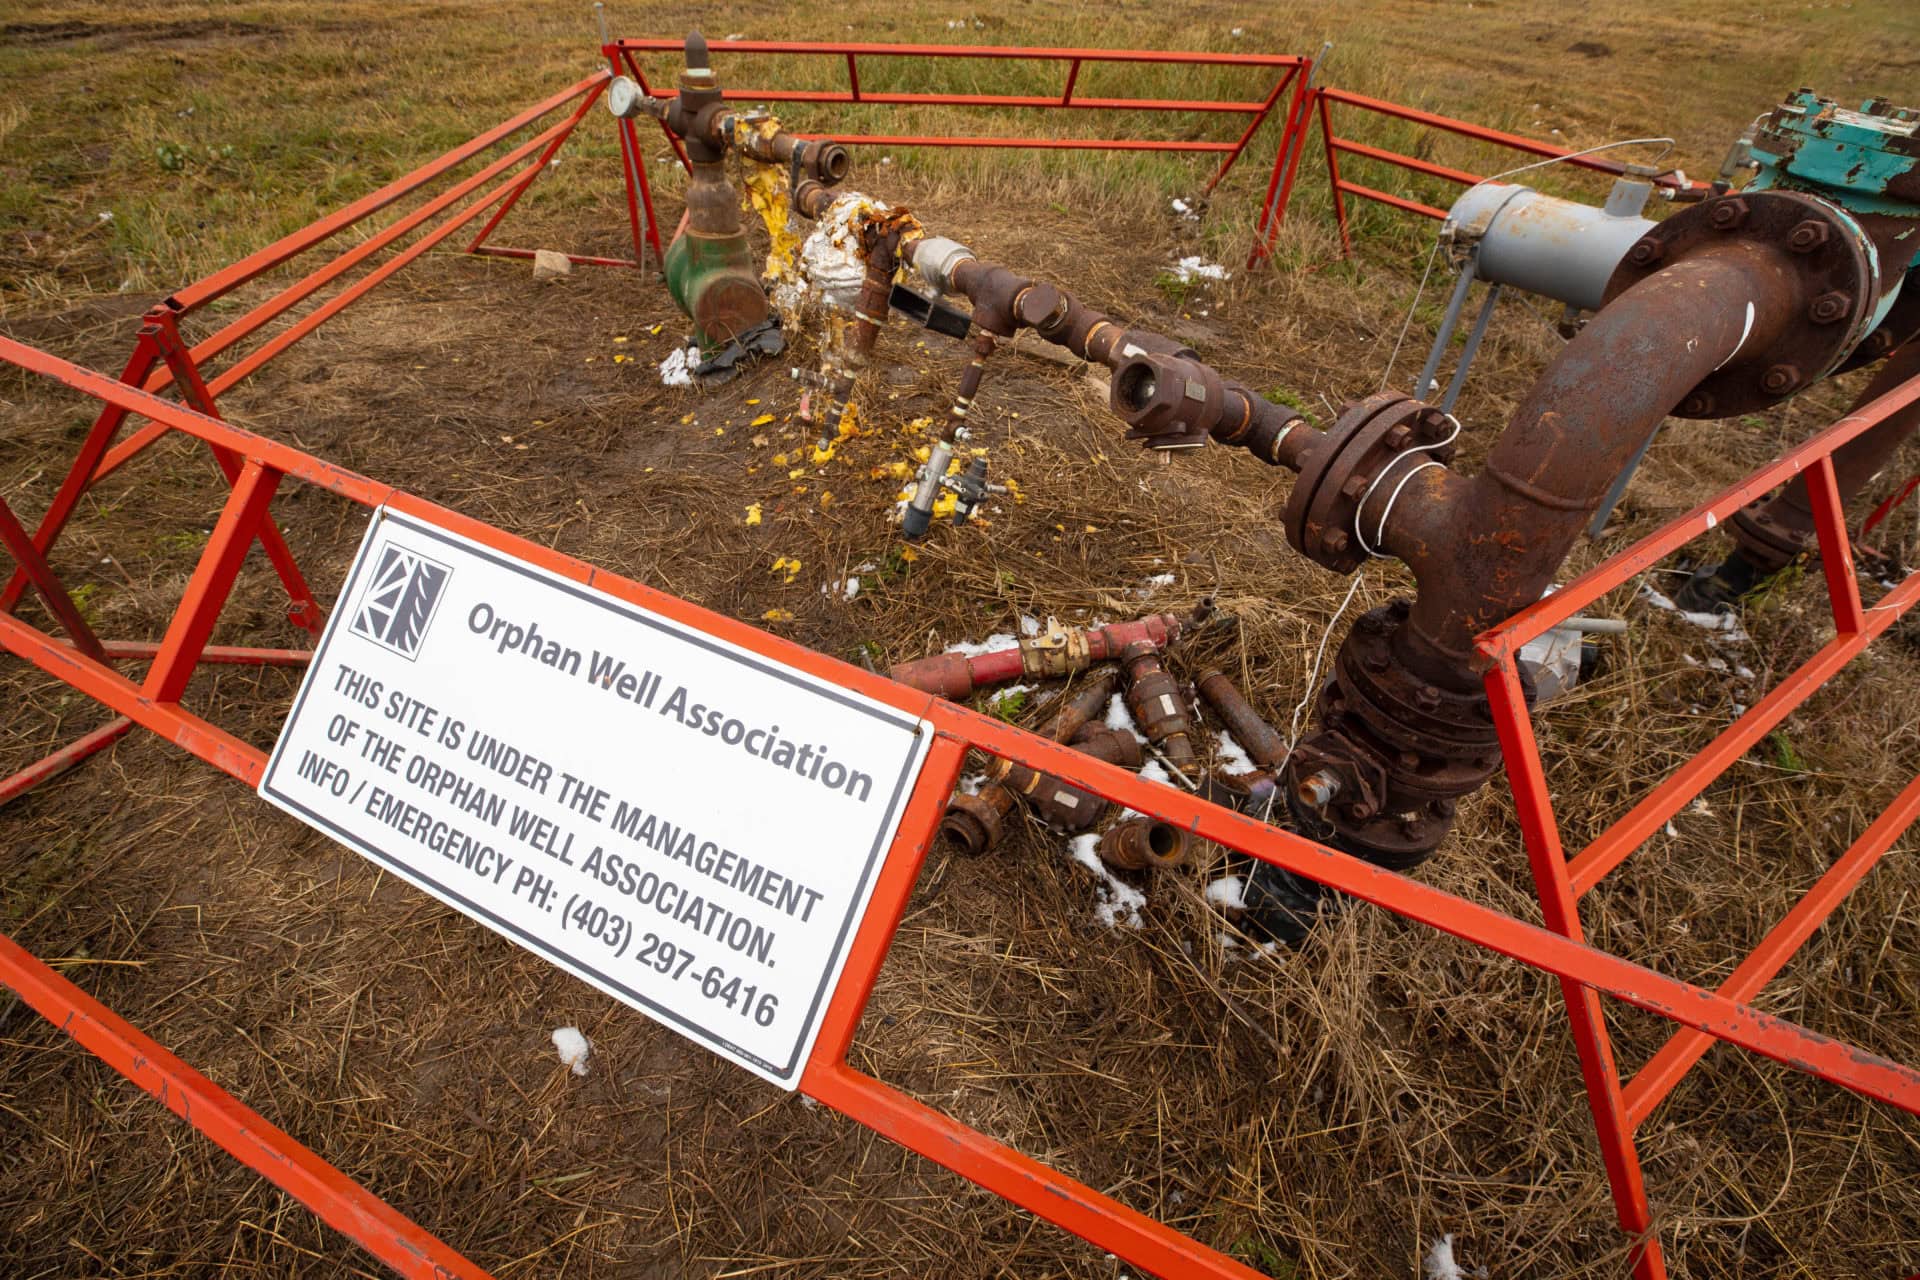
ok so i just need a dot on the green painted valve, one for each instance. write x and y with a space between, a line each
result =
713 280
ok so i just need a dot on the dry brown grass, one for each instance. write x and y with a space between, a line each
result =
1325 1114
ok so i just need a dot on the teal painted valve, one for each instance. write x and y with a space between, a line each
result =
1866 161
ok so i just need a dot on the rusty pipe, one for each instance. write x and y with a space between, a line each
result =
1057 802
869 317
1083 708
1141 843
976 823
819 159
1483 547
1261 741
1172 400
1057 653
1153 695
1403 727
1771 532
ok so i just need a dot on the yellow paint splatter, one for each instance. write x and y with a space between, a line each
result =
762 420
655 331
753 513
826 499
777 615
796 473
787 565
621 339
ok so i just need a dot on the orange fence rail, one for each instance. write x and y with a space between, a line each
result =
1336 147
1290 73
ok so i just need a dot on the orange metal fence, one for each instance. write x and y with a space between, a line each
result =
1325 99
1292 78
255 467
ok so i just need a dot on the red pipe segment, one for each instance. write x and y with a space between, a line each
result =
1057 653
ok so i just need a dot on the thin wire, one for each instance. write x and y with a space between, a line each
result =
1313 674
1434 252
1407 323
1372 548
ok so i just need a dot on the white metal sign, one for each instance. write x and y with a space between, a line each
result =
688 826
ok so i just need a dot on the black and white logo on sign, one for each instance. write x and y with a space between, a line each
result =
400 599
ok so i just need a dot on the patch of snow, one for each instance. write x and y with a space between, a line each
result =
1744 672
1153 584
1228 893
574 1048
1185 210
846 589
1119 902
1118 717
677 369
999 640
1237 32
1232 754
1198 268
1725 623
971 784
1029 626
1441 1265
1154 771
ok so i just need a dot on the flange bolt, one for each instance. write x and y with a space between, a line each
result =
1808 236
1828 307
1646 252
1780 379
1728 214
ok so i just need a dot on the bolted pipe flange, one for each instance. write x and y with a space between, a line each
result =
1826 263
1899 326
1349 460
1393 753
